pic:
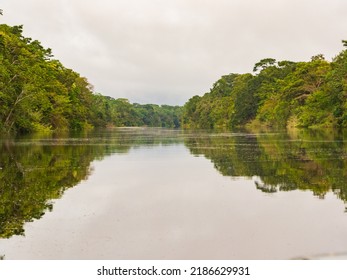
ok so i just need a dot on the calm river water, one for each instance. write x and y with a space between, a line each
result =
141 193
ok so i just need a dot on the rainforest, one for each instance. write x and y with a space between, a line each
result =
277 94
38 94
253 169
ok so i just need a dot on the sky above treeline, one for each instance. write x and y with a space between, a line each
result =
166 51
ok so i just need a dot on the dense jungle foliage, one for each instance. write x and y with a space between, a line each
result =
277 94
37 93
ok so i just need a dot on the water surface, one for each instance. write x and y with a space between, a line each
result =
168 194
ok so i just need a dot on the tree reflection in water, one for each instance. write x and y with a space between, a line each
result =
35 171
299 159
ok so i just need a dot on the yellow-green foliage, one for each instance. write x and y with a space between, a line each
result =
278 94
38 94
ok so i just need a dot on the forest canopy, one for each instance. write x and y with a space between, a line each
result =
277 94
37 93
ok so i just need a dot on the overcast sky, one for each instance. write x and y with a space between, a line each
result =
166 51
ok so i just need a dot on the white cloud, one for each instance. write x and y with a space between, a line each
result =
165 51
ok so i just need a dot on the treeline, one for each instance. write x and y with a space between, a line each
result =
37 93
119 112
277 94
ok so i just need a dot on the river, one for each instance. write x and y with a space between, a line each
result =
150 193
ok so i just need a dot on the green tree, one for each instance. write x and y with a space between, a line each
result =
245 100
263 64
22 79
